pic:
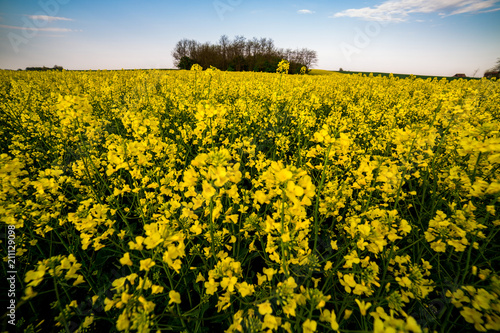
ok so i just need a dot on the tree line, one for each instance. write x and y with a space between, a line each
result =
240 54
55 68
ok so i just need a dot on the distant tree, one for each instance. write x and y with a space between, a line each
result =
184 48
493 72
185 63
55 68
224 43
309 57
496 68
240 54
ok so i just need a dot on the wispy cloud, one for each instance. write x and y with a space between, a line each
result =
52 36
489 11
305 11
36 29
48 18
400 10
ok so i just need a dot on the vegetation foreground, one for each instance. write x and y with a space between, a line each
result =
202 201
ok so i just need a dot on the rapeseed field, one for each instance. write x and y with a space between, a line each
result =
209 201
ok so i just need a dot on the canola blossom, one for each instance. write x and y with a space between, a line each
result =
198 201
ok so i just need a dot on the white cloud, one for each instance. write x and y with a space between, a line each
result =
474 7
399 10
36 29
48 18
489 11
52 36
305 11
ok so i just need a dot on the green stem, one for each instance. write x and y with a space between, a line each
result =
212 238
66 327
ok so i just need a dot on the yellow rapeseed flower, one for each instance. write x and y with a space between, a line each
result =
174 297
125 260
363 307
146 264
265 308
309 326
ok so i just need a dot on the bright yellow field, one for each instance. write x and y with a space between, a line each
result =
204 201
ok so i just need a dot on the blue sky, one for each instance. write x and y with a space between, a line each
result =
428 37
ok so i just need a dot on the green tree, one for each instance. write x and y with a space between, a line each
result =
186 63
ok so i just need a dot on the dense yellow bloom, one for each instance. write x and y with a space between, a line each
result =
289 197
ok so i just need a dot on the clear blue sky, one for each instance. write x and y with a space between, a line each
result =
434 37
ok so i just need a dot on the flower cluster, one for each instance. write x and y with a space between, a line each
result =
479 306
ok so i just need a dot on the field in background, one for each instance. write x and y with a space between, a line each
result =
401 76
204 201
